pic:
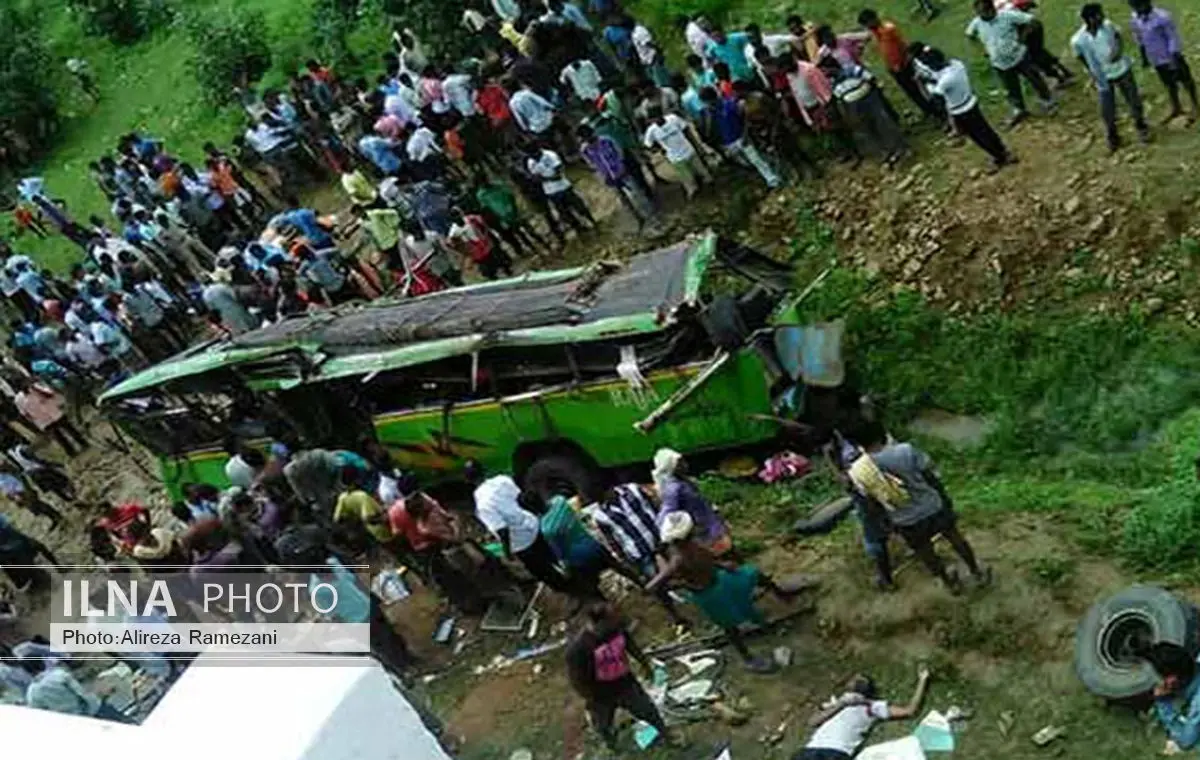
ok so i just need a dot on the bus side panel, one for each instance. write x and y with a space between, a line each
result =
198 467
717 414
600 417
422 442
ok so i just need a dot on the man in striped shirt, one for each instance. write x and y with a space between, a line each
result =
626 520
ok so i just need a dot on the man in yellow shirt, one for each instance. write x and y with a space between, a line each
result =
355 503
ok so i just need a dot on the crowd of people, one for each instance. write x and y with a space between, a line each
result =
458 169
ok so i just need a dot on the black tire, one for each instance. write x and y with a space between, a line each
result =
1106 636
824 518
563 475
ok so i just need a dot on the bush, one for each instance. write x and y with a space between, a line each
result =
123 21
1163 530
435 22
232 52
333 21
28 110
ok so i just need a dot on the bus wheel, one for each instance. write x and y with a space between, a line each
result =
563 474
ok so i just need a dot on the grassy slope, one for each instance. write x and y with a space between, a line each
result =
150 87
1088 389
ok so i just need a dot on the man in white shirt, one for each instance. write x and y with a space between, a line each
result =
244 467
584 78
776 45
497 506
1099 45
459 91
695 31
1001 33
547 166
842 723
670 134
649 55
81 351
424 153
948 78
533 113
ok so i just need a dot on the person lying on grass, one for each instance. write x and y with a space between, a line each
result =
843 722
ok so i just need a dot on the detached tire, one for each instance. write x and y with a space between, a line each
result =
563 475
824 518
1107 636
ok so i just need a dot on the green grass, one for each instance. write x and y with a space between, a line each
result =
150 87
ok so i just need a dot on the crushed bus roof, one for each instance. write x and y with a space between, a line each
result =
563 306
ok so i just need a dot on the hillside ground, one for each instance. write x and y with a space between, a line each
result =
1055 299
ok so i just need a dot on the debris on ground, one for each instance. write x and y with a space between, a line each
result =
783 656
1006 722
775 736
907 748
445 630
784 466
1048 734
644 734
935 733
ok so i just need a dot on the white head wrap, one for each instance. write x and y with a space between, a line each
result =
676 526
666 461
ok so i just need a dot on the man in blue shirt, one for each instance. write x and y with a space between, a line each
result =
730 49
619 35
381 152
723 123
306 221
1175 701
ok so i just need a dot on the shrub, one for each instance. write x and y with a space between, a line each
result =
435 22
333 21
1163 530
123 21
232 52
27 105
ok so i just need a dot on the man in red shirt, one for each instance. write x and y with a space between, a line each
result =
472 237
893 48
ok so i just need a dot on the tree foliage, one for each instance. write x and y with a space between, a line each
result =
232 52
123 21
333 21
435 22
28 110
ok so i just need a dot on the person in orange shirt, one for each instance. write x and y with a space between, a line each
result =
28 220
893 49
